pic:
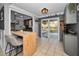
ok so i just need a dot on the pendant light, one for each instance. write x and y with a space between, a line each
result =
44 10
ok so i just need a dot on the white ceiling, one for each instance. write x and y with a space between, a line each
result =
35 8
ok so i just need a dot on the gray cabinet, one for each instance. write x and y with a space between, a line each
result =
70 17
71 44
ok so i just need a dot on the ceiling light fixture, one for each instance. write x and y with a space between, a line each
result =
44 10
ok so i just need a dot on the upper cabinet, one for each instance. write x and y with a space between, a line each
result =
70 15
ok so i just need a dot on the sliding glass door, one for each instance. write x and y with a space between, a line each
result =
53 29
50 28
44 28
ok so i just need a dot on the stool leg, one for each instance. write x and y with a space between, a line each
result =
16 50
10 51
6 48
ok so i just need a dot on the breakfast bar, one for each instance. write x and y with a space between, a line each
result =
29 41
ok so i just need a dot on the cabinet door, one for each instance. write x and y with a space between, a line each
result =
29 44
71 45
70 17
26 46
67 44
33 43
75 48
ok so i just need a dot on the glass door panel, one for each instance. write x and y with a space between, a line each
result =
53 28
44 28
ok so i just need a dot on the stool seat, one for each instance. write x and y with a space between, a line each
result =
13 40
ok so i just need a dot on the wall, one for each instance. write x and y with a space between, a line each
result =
7 19
35 26
2 41
6 28
2 32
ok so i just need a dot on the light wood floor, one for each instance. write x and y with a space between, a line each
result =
1 52
49 47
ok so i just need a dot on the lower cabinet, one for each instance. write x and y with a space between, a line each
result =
29 44
70 45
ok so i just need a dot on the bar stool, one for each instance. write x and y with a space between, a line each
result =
14 43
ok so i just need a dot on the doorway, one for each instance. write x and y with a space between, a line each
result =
50 28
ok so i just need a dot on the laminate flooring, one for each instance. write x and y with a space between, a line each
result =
49 47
